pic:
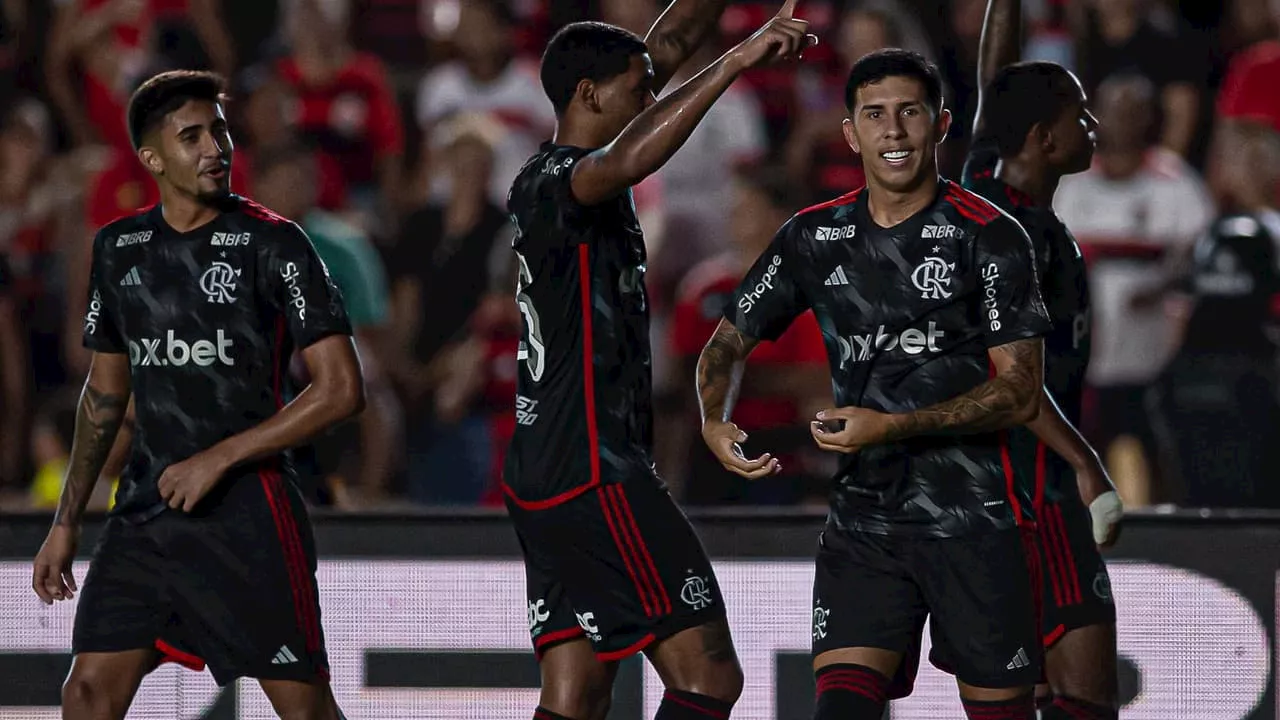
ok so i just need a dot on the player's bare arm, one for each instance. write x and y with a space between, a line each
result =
336 393
1011 397
678 33
658 132
98 417
1001 45
1092 479
719 378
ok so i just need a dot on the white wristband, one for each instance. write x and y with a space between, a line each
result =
1107 510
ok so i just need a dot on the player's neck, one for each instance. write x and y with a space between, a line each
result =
183 213
888 208
1037 183
571 131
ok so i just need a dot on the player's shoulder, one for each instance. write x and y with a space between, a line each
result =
551 162
834 219
967 208
136 228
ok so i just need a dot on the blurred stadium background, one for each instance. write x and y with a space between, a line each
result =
390 129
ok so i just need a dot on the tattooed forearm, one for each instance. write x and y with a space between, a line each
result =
98 418
720 371
678 33
1008 399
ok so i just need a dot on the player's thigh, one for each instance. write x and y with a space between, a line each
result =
297 700
633 567
1082 665
122 603
103 684
867 609
576 683
983 611
245 599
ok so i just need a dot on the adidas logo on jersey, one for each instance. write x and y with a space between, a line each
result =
837 277
1019 661
839 233
284 656
131 278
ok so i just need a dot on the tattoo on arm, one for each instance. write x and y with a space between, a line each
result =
98 419
678 33
720 370
1001 402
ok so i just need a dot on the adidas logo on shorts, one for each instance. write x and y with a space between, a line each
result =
1019 661
284 656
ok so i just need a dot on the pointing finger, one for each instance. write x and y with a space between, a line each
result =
788 9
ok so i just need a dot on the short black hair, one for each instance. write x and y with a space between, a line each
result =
586 51
894 62
162 94
1022 95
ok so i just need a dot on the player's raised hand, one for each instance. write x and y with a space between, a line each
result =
51 577
184 484
725 440
783 38
860 427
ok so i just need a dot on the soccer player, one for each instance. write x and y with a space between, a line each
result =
613 566
1032 127
195 306
932 319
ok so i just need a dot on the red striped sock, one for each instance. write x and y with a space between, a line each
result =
1022 707
542 713
1068 708
680 705
850 692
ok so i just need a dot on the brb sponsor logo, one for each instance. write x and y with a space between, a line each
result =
990 292
912 341
836 233
225 239
137 238
172 352
293 294
752 296
95 311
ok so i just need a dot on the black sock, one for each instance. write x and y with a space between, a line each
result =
850 692
1068 708
1044 701
681 705
1022 707
544 714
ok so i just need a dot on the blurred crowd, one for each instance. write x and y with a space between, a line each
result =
391 130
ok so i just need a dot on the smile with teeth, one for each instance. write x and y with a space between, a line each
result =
896 157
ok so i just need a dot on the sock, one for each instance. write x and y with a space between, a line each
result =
1022 707
544 714
1068 708
850 692
681 705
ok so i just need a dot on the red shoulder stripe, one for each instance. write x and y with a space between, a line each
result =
260 212
980 204
845 199
979 212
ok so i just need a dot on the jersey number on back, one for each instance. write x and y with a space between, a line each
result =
532 350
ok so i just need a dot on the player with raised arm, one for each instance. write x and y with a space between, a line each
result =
932 319
195 307
613 566
1032 127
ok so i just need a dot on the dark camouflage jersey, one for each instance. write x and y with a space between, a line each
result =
1042 475
209 319
583 391
1235 282
908 314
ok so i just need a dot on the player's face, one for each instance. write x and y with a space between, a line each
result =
621 98
1074 135
896 132
191 151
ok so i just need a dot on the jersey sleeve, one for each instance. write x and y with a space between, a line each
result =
1011 307
299 286
546 198
101 334
770 296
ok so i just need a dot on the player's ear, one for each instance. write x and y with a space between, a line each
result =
151 159
1041 136
850 135
586 92
944 124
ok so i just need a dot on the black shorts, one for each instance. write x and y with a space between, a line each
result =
876 591
1076 589
232 588
619 564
